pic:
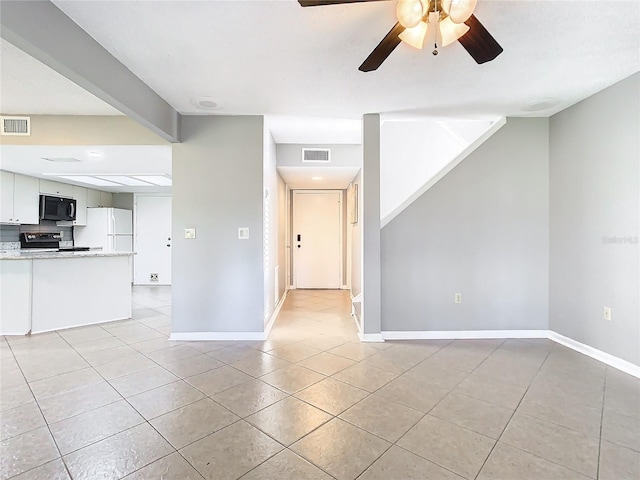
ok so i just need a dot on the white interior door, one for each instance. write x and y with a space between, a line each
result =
316 239
152 262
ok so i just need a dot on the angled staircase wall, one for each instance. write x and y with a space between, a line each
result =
416 154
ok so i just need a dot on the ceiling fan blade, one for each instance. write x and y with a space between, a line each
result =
383 50
479 42
320 3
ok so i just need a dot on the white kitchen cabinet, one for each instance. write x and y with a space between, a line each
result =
106 199
80 194
6 197
19 199
56 188
31 289
26 200
93 198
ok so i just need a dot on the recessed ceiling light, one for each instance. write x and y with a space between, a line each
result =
207 103
90 180
541 104
95 154
159 180
316 178
61 159
125 180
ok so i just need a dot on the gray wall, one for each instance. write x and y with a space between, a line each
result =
356 251
356 243
483 231
290 155
282 235
594 176
371 243
217 187
123 200
270 224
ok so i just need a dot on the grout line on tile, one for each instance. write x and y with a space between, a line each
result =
43 417
604 393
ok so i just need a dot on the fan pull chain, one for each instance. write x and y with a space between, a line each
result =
436 29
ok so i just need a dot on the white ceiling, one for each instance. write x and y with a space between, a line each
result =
298 66
330 177
314 130
128 159
275 57
27 86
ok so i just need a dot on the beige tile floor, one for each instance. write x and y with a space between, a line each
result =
118 400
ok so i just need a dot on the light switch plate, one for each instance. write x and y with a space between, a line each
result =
243 233
189 233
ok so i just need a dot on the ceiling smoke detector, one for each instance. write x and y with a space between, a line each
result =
541 104
207 103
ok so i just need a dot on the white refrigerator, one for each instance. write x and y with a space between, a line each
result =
109 228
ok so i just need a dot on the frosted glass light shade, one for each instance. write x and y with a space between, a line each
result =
459 11
410 12
450 32
415 36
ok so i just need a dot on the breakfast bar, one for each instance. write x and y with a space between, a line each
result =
44 291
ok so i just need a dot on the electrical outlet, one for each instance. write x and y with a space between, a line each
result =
457 298
189 233
243 233
153 278
607 313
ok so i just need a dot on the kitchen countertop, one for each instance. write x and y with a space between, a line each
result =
31 255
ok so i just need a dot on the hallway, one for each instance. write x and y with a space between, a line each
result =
322 317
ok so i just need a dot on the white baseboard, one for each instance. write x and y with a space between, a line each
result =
606 358
344 287
615 362
463 334
370 337
219 336
274 315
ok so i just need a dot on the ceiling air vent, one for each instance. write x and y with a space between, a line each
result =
15 126
320 155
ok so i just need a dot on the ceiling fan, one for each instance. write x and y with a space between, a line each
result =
442 20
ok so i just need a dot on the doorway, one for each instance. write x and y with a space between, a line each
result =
152 262
317 239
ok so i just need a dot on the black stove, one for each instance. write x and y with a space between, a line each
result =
46 241
40 240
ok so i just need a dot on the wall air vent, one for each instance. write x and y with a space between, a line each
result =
317 155
16 126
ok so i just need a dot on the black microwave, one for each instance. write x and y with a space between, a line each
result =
57 208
